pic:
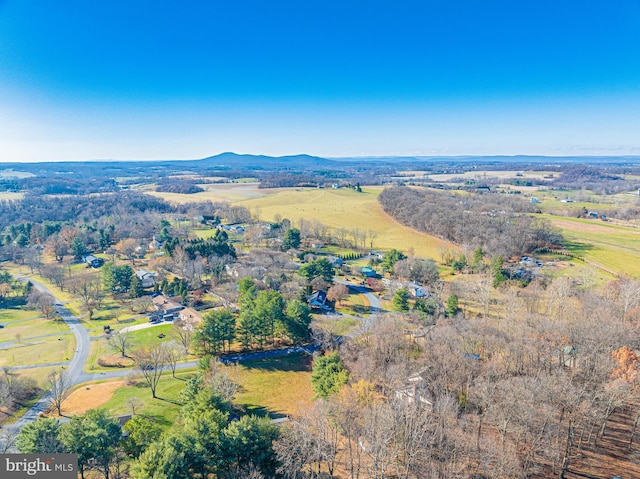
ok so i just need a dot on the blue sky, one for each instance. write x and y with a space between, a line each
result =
182 80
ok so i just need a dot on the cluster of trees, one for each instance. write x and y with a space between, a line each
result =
495 223
12 293
519 392
266 315
15 391
173 185
203 442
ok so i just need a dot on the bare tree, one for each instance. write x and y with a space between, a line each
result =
151 361
89 288
134 404
59 384
43 302
121 342
175 352
219 378
183 333
337 292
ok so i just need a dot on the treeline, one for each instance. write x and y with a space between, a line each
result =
173 185
498 224
34 208
594 179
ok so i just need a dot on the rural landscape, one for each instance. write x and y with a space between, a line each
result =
473 317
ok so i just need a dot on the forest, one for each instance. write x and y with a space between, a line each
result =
497 223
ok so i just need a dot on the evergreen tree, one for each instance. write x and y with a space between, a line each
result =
452 305
291 239
135 290
401 300
329 375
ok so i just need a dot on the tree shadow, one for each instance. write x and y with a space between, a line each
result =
297 362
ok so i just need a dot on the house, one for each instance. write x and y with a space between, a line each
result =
190 316
147 278
416 290
368 272
166 305
567 356
415 390
318 300
335 261
237 229
92 261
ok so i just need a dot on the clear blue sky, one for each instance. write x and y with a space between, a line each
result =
156 79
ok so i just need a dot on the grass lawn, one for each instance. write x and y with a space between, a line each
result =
39 375
31 328
340 325
39 351
113 396
100 347
275 386
356 304
9 315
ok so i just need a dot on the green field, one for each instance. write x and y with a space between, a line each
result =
275 386
9 315
163 409
611 246
31 328
39 351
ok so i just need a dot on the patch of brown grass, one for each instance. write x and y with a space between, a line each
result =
89 397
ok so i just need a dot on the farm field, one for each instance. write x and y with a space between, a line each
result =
613 246
217 192
346 209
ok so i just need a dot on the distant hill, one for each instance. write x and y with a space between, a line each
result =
234 160
233 163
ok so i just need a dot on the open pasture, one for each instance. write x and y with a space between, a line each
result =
218 192
612 246
346 209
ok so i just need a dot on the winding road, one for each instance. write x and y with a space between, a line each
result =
75 367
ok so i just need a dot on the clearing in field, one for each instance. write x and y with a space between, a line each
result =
346 209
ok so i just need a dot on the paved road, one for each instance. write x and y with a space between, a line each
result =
374 308
74 367
83 341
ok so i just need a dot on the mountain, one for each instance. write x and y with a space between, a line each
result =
235 160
